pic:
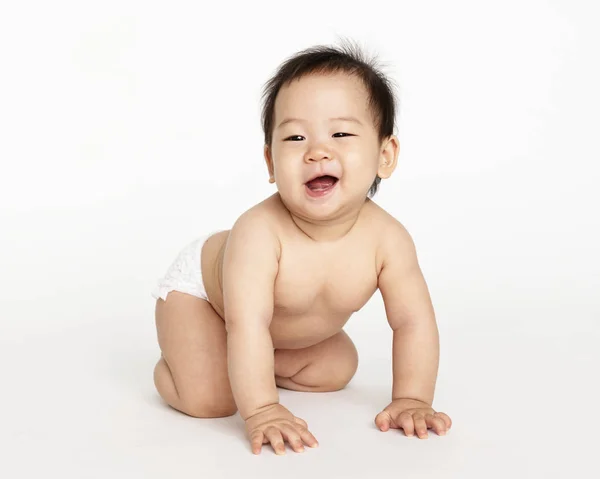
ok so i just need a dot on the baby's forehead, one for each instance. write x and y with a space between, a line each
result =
338 95
340 82
340 111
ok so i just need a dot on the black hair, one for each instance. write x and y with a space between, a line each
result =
322 59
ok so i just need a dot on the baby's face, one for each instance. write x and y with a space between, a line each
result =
322 126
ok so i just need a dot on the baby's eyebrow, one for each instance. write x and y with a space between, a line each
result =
337 118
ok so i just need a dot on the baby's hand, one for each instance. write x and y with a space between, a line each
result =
275 424
412 415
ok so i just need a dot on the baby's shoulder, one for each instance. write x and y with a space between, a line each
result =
268 213
390 235
259 226
380 222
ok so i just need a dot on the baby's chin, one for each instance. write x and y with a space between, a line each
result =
316 207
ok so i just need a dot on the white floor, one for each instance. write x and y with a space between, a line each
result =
78 401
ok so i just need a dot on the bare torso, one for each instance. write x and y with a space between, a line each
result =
319 284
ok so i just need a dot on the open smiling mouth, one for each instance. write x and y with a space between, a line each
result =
321 185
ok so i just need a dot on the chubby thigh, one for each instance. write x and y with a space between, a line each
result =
192 377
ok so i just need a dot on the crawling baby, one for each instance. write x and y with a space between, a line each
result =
244 311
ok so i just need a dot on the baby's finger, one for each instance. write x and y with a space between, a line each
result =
436 423
274 436
302 422
382 421
420 425
445 418
292 437
307 436
256 441
405 421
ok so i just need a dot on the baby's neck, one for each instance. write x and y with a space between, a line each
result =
330 230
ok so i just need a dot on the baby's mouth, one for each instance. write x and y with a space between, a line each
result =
321 183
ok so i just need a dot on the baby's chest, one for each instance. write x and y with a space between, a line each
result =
311 283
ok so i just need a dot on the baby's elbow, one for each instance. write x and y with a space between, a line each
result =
235 323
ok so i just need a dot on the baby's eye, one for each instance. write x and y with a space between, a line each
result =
291 138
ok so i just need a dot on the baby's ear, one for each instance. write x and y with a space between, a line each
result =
388 157
269 160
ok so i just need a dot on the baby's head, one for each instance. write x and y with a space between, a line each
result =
328 111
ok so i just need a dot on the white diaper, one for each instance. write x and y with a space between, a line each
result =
184 274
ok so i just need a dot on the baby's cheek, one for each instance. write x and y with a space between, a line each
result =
360 172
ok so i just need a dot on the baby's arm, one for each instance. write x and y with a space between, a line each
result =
415 339
411 316
249 269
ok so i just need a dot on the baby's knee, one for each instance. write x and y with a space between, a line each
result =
209 404
337 364
345 372
344 349
204 409
345 362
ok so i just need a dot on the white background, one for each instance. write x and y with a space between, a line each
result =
127 129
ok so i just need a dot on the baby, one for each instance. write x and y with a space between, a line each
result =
244 311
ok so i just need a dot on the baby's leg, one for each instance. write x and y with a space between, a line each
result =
191 375
325 366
